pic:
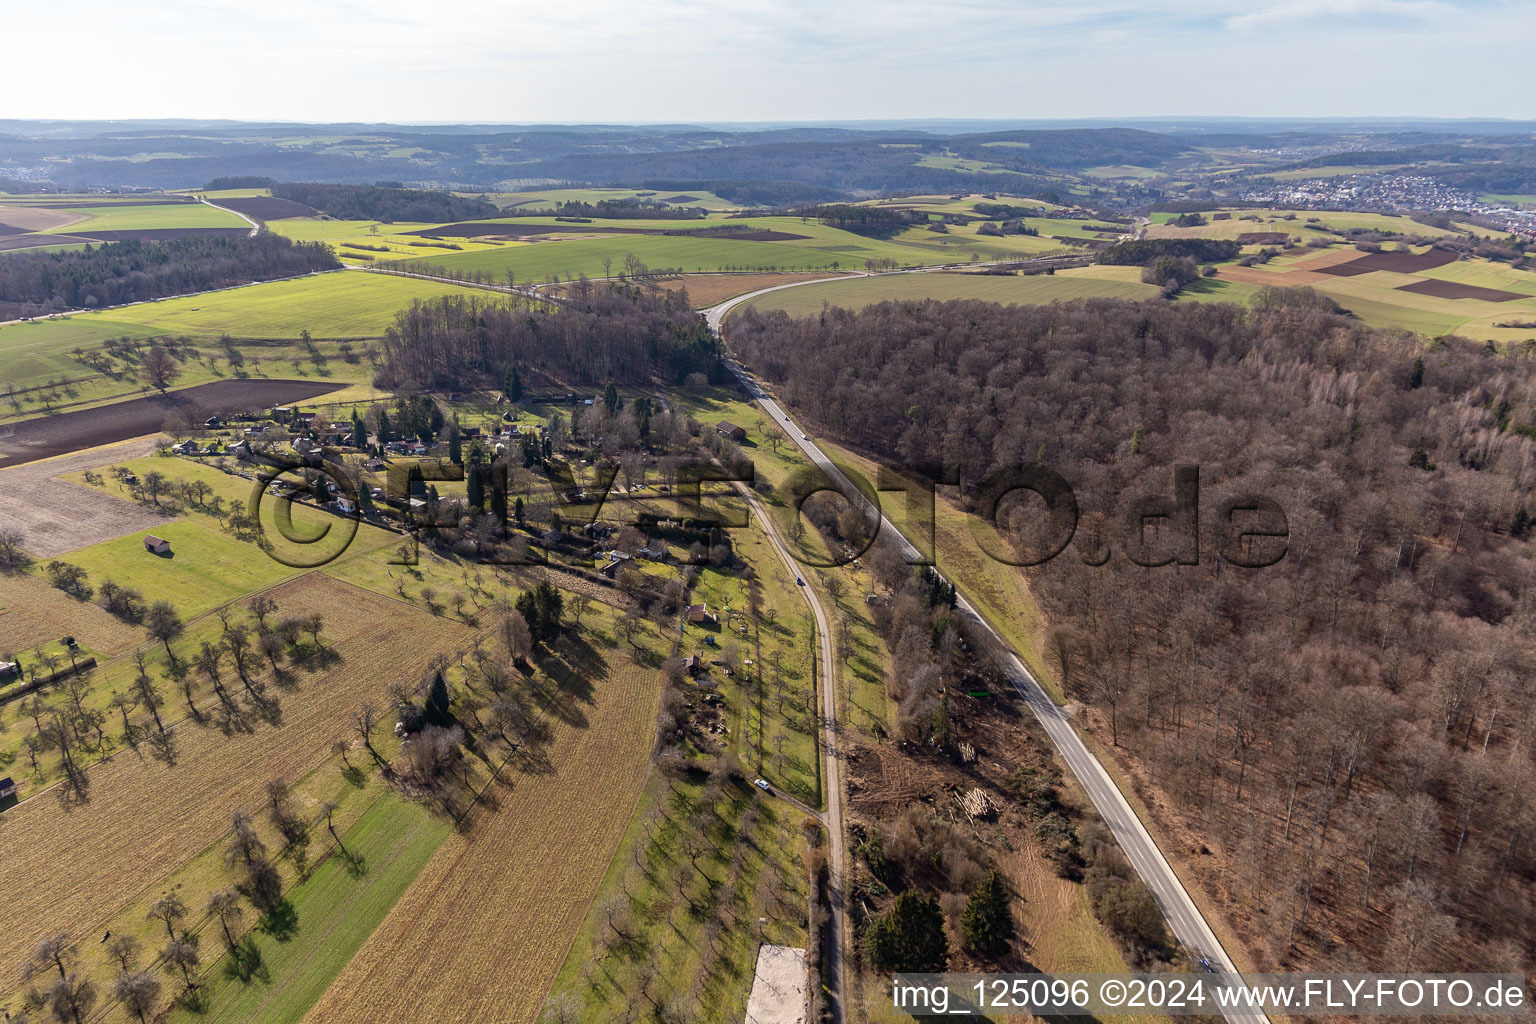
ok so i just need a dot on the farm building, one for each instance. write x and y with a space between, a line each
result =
700 615
7 788
693 664
156 545
9 669
725 428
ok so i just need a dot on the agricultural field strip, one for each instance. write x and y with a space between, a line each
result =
832 787
502 872
133 842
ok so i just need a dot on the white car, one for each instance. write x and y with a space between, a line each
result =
762 784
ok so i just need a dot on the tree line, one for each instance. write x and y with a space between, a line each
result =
374 202
135 270
596 334
1349 727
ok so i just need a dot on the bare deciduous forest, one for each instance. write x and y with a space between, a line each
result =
1345 733
597 334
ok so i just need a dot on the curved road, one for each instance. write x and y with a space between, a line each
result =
255 226
1184 917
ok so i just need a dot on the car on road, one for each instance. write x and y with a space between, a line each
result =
805 437
799 582
762 784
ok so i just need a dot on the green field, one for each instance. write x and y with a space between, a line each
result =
330 306
208 566
1275 220
1513 199
140 218
543 260
823 248
333 305
1379 300
1064 285
34 352
337 908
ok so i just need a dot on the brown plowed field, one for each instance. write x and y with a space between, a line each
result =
484 928
32 613
267 207
1258 275
60 516
1397 262
76 868
46 436
32 241
35 218
1455 290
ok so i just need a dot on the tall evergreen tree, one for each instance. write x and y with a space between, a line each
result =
475 488
987 920
513 385
359 432
455 444
910 936
611 398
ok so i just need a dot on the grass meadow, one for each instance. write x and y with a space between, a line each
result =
1064 285
148 217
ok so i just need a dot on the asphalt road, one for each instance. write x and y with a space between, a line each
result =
1184 917
255 227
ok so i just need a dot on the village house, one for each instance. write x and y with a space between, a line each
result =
693 664
156 545
7 788
727 429
700 615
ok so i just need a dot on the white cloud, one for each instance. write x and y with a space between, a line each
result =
1300 11
696 60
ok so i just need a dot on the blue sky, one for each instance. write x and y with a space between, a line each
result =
745 60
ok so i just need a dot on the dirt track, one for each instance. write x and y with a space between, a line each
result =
66 432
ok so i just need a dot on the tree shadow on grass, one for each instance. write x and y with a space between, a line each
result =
281 922
354 776
245 963
355 864
194 1000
